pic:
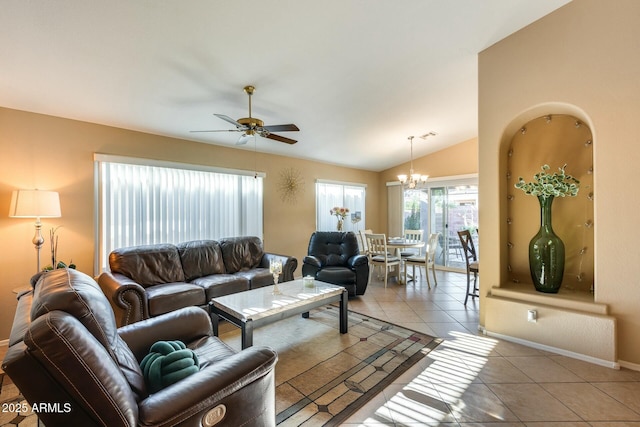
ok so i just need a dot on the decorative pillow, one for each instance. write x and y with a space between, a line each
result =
167 362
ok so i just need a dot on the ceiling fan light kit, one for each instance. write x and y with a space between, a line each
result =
413 180
251 126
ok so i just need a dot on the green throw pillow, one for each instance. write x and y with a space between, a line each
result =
167 363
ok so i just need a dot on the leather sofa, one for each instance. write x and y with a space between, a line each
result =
146 281
66 352
334 257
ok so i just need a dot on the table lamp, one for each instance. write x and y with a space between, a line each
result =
35 204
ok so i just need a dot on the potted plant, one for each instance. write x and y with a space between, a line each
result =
546 249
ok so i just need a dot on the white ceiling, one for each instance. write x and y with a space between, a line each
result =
357 76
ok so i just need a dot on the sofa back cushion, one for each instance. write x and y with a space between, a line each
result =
148 264
200 258
333 248
241 253
78 295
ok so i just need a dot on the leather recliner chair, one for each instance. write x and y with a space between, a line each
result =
65 351
334 257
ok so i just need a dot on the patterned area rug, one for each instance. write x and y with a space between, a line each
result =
322 376
12 404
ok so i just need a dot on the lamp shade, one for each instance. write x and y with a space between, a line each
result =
35 204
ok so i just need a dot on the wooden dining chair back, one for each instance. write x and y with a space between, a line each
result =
472 262
412 236
362 241
427 260
379 255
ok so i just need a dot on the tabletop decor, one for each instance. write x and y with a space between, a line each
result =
546 249
341 214
275 268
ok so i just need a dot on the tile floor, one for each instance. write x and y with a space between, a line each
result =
474 380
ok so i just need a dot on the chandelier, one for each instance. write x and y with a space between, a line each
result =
413 180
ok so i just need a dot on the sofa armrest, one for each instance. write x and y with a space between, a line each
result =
247 376
127 298
186 324
357 260
312 261
289 265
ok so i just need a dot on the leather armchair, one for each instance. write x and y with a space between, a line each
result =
66 351
334 257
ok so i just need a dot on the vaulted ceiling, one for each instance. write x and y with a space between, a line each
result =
356 76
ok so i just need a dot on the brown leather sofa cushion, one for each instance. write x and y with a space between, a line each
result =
201 258
168 297
148 264
68 290
241 253
80 296
217 285
81 372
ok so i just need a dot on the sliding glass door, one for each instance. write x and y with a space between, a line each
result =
445 207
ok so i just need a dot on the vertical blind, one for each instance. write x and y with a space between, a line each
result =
330 195
148 204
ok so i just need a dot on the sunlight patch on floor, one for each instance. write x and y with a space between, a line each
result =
436 394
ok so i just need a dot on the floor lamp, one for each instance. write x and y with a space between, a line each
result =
35 204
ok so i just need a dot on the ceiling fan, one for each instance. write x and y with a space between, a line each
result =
251 126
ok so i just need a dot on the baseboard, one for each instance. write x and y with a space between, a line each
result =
629 365
4 342
560 351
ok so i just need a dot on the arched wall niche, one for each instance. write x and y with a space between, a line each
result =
553 134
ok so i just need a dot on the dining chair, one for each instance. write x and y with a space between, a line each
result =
427 260
412 236
471 259
362 241
379 256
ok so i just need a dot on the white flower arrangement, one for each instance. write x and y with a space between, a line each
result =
544 184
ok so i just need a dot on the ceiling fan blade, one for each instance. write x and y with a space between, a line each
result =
281 128
280 138
217 130
230 120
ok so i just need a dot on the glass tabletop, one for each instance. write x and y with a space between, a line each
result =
262 302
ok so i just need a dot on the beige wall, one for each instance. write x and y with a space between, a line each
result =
51 153
581 60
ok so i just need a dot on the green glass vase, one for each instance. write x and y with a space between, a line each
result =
546 252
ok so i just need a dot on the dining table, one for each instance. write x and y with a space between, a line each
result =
398 244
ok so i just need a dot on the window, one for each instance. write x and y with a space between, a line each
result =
143 202
331 194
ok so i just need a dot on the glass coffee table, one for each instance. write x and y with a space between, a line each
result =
258 307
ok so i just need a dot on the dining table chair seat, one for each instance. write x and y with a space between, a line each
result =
387 258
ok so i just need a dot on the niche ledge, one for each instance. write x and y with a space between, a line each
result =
568 323
569 299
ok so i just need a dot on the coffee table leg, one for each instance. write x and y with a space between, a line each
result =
214 320
344 320
247 334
